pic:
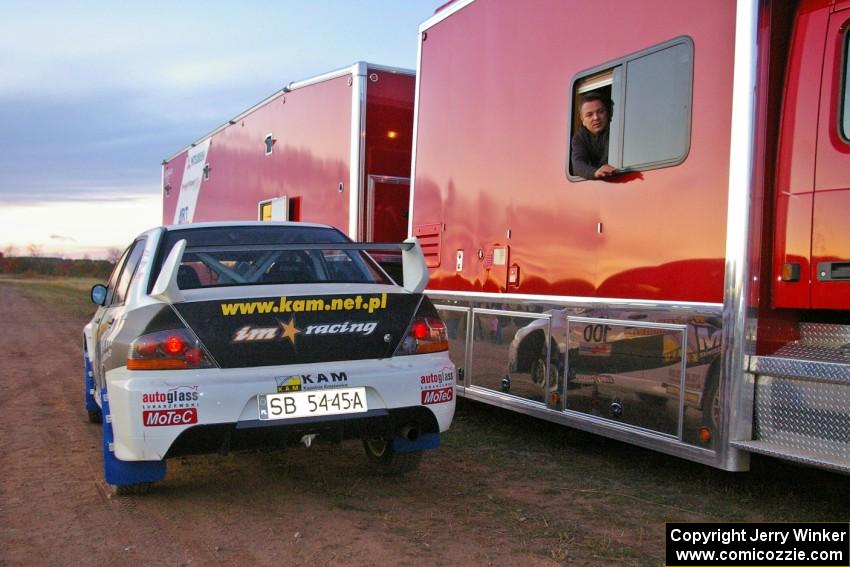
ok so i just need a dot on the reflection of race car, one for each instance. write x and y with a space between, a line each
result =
627 358
214 337
527 352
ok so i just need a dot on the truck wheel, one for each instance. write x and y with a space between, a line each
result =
383 458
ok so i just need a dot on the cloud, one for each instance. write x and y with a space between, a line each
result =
62 238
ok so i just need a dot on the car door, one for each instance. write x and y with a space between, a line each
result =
112 312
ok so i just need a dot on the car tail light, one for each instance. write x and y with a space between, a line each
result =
175 349
426 333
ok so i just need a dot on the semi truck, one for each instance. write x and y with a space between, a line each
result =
697 302
333 149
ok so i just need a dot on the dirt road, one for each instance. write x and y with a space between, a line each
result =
503 490
299 507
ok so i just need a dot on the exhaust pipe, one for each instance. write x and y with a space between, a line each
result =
409 432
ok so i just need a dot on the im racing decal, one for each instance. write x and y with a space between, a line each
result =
288 331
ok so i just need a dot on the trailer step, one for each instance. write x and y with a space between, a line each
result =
823 364
808 458
825 335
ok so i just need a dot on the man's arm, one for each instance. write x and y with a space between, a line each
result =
580 158
582 163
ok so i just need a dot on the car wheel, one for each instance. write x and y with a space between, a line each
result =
131 489
92 409
538 370
384 459
712 406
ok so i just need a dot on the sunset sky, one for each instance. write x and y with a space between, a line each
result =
94 95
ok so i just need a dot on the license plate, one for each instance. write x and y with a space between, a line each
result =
313 403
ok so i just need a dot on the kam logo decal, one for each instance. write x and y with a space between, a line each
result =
175 406
367 303
300 382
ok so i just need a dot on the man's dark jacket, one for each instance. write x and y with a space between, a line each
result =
588 152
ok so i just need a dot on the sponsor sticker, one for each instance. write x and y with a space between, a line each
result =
366 303
300 382
172 406
437 387
438 396
443 377
288 331
159 418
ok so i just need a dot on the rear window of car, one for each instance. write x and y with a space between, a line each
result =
228 256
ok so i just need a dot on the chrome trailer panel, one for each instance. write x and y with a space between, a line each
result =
646 373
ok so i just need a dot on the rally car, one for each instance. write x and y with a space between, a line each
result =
218 336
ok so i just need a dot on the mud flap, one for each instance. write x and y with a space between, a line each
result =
118 472
423 442
91 403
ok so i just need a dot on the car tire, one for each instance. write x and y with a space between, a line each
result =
131 489
538 370
384 459
712 406
711 403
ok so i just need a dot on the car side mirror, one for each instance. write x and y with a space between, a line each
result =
98 294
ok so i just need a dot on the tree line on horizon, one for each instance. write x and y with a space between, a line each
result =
61 267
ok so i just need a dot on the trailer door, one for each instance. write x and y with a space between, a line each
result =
387 206
830 229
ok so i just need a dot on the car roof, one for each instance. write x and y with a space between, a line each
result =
243 223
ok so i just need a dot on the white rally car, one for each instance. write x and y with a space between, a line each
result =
219 336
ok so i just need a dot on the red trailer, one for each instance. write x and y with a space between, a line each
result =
696 303
332 149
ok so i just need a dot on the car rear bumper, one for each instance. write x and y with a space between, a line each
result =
159 414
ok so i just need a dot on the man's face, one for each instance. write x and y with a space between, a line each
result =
594 116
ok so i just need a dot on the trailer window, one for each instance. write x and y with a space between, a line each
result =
650 116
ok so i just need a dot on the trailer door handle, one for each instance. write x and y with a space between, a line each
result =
834 271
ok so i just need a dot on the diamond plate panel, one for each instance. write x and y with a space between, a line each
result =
796 363
803 416
815 352
823 334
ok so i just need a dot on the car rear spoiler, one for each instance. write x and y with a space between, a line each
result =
414 269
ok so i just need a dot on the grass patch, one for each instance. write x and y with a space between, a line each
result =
69 296
607 502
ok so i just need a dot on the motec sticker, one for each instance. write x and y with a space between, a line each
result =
174 406
365 303
438 396
300 382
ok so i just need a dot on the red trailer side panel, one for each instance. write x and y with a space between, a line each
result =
492 140
311 134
